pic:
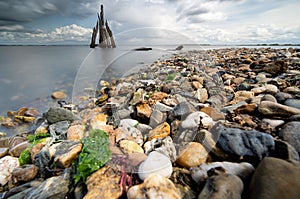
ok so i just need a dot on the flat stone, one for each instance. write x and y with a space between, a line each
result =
269 98
214 113
103 184
144 111
275 179
54 187
164 146
158 96
161 131
155 186
59 95
291 134
182 109
7 165
226 186
196 120
202 95
98 121
241 143
24 173
293 103
128 147
76 132
65 152
276 68
243 170
59 129
162 107
274 109
191 155
156 118
55 114
281 97
232 108
155 163
3 152
285 151
17 150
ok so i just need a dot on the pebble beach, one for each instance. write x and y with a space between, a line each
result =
219 123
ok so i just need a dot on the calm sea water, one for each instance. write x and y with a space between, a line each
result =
29 74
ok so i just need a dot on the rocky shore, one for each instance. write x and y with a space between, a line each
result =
220 123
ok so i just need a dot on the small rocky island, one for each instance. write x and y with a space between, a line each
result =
106 38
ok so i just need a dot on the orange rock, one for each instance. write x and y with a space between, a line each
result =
59 95
76 132
192 155
213 113
97 121
144 110
161 131
246 109
159 96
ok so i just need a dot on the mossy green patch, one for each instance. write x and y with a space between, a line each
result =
171 77
95 154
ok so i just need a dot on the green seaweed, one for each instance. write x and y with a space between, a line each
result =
36 137
95 154
25 157
171 77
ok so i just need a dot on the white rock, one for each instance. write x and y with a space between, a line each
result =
243 170
155 163
194 120
7 165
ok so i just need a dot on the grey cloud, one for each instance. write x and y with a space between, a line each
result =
16 11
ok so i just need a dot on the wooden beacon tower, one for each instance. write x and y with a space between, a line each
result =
106 38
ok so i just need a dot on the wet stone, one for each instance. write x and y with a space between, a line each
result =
54 115
223 186
164 146
57 187
241 143
24 173
155 163
291 134
155 186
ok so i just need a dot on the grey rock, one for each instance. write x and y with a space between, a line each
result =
239 142
164 146
274 109
55 114
284 150
21 191
282 97
275 179
243 170
231 108
295 118
293 103
54 187
162 107
155 163
269 98
197 120
182 109
156 118
144 128
24 173
59 130
122 114
226 186
290 133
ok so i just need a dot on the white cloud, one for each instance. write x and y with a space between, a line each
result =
71 33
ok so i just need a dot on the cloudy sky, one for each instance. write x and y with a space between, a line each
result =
201 21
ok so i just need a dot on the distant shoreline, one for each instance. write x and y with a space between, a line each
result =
232 45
